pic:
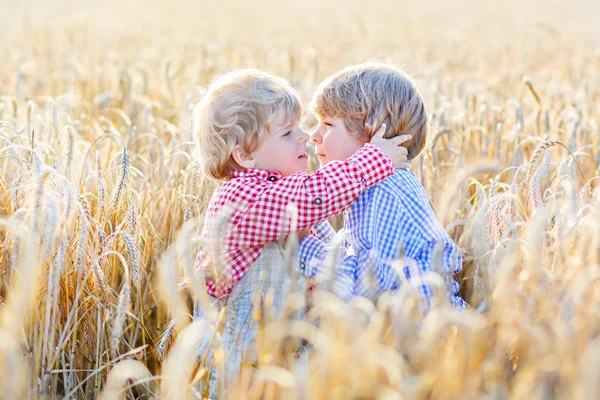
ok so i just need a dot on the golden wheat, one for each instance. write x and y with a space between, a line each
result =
102 205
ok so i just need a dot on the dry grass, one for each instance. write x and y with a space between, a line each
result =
101 204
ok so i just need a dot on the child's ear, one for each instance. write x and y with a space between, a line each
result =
243 159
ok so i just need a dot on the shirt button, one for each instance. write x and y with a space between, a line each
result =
318 201
302 266
272 178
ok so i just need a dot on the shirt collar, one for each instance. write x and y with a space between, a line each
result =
262 174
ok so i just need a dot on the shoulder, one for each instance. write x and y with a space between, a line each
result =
400 191
405 185
406 180
400 184
383 198
242 189
407 191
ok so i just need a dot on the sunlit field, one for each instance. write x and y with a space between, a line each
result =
102 200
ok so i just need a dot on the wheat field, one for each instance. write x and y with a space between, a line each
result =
102 200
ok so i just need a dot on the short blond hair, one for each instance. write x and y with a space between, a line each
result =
237 109
372 93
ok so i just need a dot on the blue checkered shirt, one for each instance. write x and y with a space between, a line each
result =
391 218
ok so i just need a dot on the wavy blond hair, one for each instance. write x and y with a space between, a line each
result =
237 109
372 93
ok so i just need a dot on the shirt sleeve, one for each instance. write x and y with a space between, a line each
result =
451 260
317 197
324 232
316 257
313 253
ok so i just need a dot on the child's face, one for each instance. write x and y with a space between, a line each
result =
333 140
284 148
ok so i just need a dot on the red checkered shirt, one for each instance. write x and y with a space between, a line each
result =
252 207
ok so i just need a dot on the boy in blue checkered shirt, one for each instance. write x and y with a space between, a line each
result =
393 216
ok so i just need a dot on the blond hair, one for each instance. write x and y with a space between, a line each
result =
372 93
237 109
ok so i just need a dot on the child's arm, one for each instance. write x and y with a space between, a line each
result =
318 197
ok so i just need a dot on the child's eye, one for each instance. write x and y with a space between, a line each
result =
327 124
287 134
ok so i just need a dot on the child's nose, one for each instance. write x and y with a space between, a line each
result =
303 137
316 137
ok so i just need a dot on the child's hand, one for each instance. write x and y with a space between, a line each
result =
303 233
392 147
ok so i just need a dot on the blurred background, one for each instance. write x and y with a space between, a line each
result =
102 91
309 21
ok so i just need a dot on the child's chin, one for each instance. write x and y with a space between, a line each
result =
303 165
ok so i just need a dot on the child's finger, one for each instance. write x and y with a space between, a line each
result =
402 139
403 150
380 132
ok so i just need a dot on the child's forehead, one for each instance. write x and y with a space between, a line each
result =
322 116
283 118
